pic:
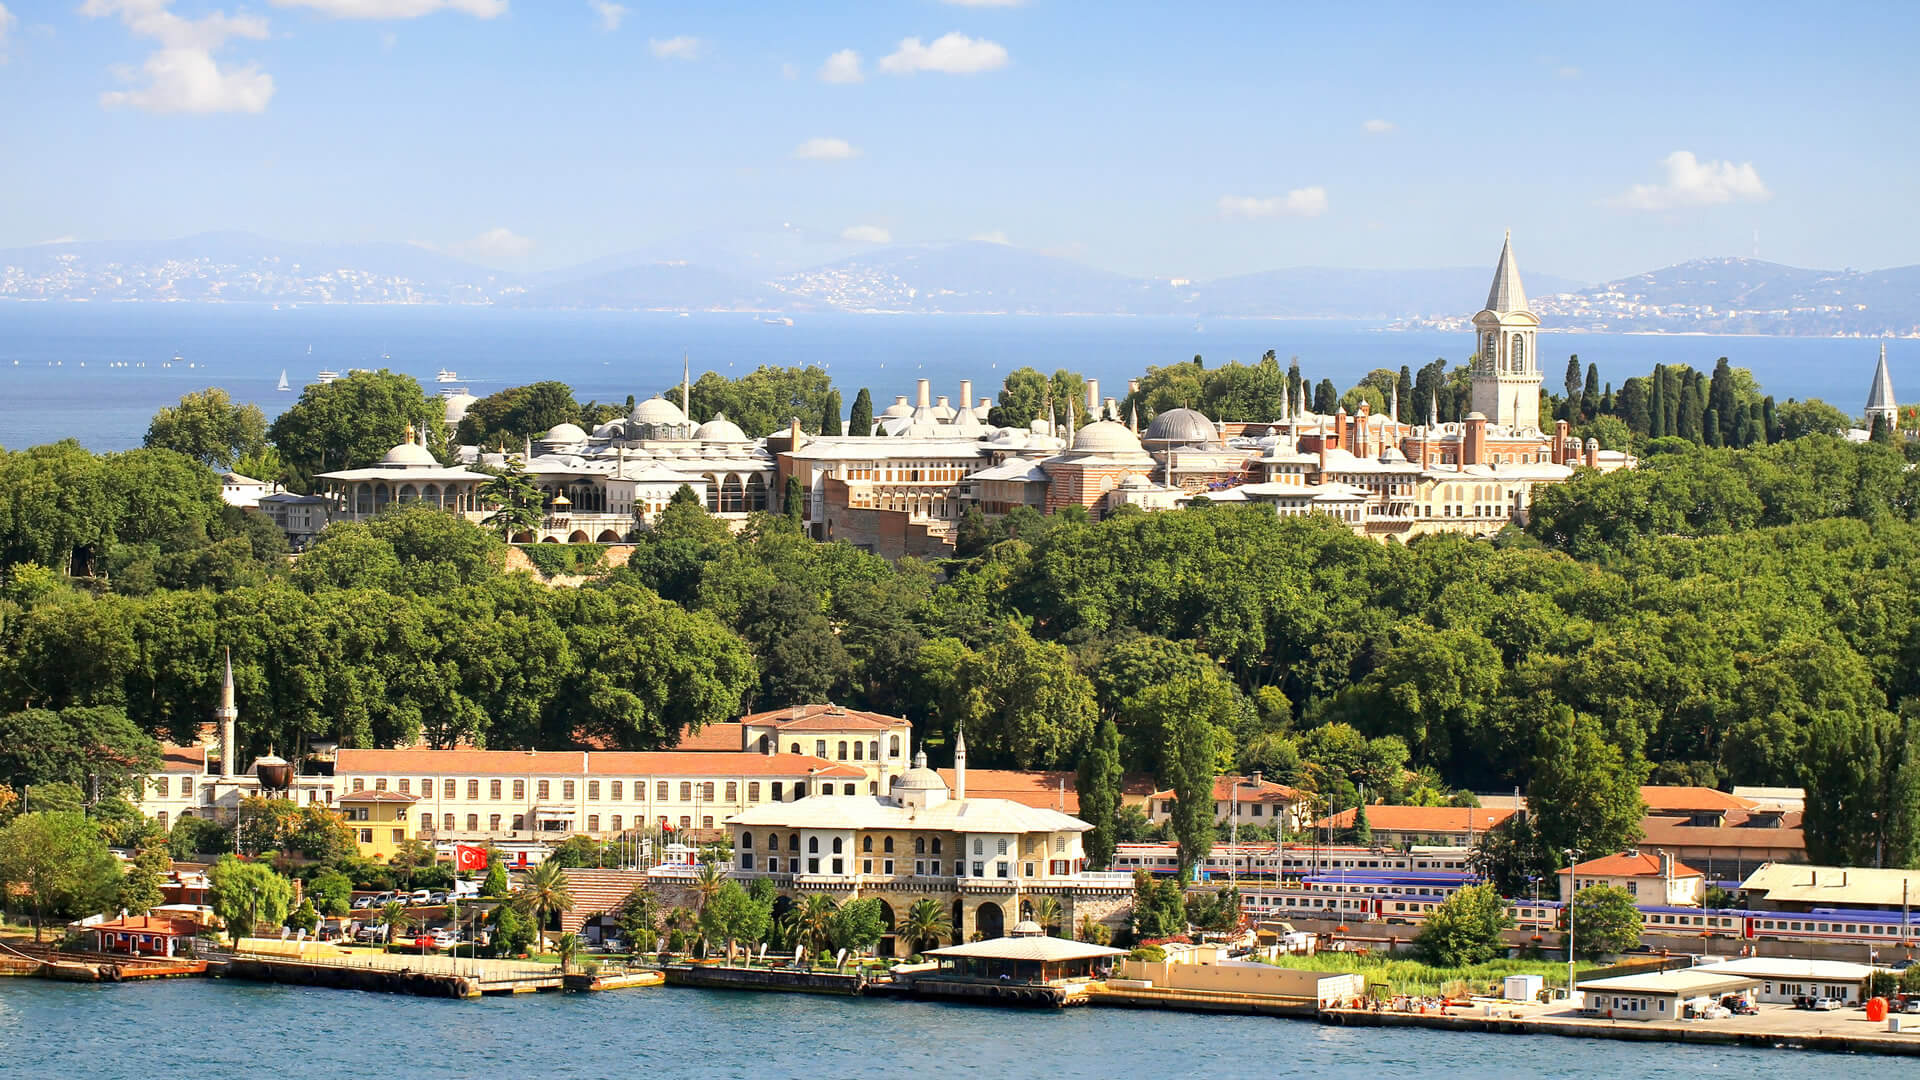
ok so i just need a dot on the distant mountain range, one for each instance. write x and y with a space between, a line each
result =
975 277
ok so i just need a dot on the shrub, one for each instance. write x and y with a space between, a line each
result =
553 560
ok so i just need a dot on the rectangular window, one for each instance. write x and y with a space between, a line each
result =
733 791
886 867
706 791
616 823
399 835
566 790
446 820
660 791
519 822
366 836
473 822
493 790
542 789
819 748
493 822
186 787
380 784
359 784
746 860
813 866
593 790
404 790
618 790
519 790
1029 869
1059 845
776 790
866 866
593 823
979 869
706 821
836 866
448 789
473 789
753 791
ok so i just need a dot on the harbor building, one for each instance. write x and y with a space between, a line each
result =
1832 890
1784 979
1661 995
381 821
989 862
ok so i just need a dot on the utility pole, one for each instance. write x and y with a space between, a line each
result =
1573 860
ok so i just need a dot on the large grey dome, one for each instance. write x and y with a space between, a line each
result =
1182 427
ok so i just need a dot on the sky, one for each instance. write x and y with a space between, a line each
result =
1171 139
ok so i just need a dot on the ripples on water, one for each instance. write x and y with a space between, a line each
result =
204 1030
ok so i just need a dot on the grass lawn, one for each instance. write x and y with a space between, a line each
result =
1404 975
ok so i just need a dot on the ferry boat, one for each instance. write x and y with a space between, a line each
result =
444 375
325 376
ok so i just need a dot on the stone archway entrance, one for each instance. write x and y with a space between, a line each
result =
886 947
989 921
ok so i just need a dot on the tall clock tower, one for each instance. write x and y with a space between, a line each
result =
1506 369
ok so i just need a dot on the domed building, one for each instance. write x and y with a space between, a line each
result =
720 430
458 403
408 473
1181 427
657 420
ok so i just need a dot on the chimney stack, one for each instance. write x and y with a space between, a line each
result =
966 392
1093 396
923 397
227 713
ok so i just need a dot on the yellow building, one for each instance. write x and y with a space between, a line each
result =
381 821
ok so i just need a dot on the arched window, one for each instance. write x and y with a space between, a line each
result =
1489 348
793 842
1518 360
843 749
813 845
858 749
837 845
746 840
773 841
893 746
919 845
866 844
887 845
873 750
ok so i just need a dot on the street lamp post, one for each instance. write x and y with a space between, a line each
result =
1233 816
1573 861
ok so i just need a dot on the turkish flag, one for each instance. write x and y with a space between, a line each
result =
468 857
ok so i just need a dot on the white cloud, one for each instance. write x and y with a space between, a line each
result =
997 236
1377 127
675 48
951 54
59 240
610 14
842 67
7 23
866 234
182 75
1692 182
398 9
1300 202
819 149
498 242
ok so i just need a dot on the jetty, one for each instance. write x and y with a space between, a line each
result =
429 975
789 980
45 961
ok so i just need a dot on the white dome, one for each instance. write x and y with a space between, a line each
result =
1106 437
457 406
720 429
409 456
657 410
1026 928
899 407
564 433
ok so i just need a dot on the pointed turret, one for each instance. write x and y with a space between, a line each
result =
1507 293
1880 399
227 714
686 387
1393 407
959 763
1433 411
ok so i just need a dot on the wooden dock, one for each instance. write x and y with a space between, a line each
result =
392 973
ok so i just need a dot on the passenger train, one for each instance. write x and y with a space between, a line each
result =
1388 888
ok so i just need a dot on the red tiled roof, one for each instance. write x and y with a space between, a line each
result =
1038 789
582 763
371 795
1630 864
824 718
183 759
725 736
1433 819
1265 792
1666 799
181 926
1659 832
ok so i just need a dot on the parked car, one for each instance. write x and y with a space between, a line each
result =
445 938
1803 1002
438 896
361 903
1912 1005
1717 1012
381 898
371 935
1826 1004
420 896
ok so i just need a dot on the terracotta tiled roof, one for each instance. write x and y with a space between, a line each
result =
824 718
1738 832
1433 819
379 796
183 759
151 924
1668 799
1630 864
350 762
595 892
727 736
1264 792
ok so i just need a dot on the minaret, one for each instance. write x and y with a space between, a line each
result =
1433 411
227 714
1506 370
959 763
1133 419
1393 409
1880 399
686 388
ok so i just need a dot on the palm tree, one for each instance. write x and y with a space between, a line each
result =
543 894
926 922
568 947
1047 914
816 922
394 916
707 882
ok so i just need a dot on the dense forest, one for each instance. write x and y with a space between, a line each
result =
1742 613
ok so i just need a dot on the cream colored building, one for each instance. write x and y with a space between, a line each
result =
480 795
1244 800
1650 879
875 743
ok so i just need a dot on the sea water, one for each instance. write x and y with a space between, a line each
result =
97 372
219 1030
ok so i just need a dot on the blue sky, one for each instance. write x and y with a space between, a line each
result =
1184 139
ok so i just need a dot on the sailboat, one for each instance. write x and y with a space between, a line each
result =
284 385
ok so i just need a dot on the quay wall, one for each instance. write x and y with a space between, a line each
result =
338 977
738 978
1629 1032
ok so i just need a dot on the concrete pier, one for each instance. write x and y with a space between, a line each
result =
716 977
394 973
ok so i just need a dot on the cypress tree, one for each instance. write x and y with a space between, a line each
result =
1769 422
1676 382
1881 432
861 422
1721 400
1573 376
1710 428
1590 400
1325 398
1098 784
1408 408
1687 422
793 499
830 414
1293 383
1657 410
1362 829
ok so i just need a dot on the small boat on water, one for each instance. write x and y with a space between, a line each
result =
325 376
284 385
444 375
